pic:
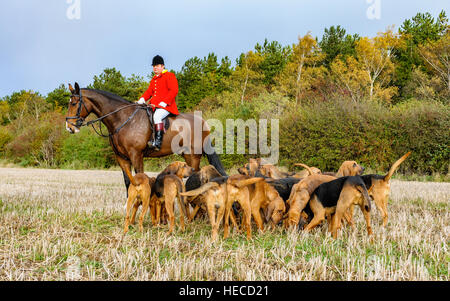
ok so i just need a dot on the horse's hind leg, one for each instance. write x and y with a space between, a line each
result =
196 162
193 161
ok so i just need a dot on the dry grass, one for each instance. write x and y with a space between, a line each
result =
66 225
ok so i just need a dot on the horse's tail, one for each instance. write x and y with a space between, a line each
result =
214 159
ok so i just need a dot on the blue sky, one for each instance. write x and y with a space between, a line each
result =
42 48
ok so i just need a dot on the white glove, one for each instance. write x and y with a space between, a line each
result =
163 104
141 101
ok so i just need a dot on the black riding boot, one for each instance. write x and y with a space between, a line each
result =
159 131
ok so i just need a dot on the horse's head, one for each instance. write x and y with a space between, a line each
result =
77 110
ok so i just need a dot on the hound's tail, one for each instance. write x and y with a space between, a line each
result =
362 188
200 190
130 176
306 167
395 166
242 183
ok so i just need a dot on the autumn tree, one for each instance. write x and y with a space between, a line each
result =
437 57
4 113
375 57
419 30
247 73
24 103
350 77
302 68
423 86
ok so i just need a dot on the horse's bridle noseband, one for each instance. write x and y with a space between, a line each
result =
79 120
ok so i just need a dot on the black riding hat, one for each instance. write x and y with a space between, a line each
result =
157 60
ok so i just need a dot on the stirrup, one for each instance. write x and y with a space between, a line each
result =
152 146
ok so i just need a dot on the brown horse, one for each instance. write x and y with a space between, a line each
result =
130 129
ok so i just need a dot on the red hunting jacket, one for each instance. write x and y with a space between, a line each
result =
163 88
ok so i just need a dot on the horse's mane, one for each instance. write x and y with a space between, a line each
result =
109 95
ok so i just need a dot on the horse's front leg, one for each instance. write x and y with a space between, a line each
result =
126 180
137 160
124 164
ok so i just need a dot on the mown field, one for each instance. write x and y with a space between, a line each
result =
67 225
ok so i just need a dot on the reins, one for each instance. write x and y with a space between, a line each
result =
80 121
100 133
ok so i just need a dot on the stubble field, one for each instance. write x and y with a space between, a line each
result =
67 225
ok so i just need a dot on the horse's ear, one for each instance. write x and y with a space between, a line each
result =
77 88
71 88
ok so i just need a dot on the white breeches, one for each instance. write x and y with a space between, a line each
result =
159 115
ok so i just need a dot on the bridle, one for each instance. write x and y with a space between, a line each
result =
79 120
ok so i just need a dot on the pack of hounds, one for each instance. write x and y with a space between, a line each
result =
301 200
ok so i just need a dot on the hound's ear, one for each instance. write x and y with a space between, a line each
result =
72 90
171 170
175 167
367 181
342 171
77 88
347 171
359 188
269 212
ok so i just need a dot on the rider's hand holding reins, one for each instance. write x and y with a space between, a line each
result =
141 101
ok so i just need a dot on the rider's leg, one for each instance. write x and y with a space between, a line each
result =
158 116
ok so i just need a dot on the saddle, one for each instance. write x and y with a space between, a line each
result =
165 120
